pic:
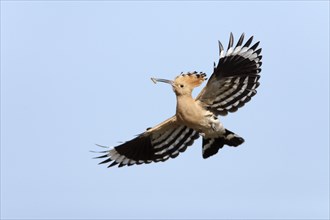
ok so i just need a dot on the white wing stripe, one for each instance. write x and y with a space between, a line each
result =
243 50
237 50
114 154
184 144
253 56
230 51
132 162
168 139
188 139
120 159
228 92
238 93
230 98
179 139
222 54
163 136
125 161
175 143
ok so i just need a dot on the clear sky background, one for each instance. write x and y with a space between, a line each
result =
77 73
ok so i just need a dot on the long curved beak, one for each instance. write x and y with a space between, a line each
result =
155 80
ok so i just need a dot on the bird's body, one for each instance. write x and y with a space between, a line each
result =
191 113
232 84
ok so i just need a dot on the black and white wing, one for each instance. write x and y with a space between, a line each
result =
234 79
164 141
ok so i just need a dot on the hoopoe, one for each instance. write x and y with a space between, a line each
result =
232 84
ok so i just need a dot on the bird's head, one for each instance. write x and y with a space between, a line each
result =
185 82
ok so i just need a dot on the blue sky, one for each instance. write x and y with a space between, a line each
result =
78 73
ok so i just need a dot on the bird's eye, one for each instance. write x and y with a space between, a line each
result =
181 86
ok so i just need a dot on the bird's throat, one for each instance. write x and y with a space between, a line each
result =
188 111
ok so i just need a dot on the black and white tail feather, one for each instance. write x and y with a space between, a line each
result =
233 83
211 146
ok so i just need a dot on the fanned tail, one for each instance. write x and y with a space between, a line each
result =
211 146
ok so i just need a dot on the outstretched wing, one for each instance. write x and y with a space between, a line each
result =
160 143
234 79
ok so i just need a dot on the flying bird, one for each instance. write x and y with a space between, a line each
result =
232 84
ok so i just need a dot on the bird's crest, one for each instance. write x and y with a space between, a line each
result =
193 79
